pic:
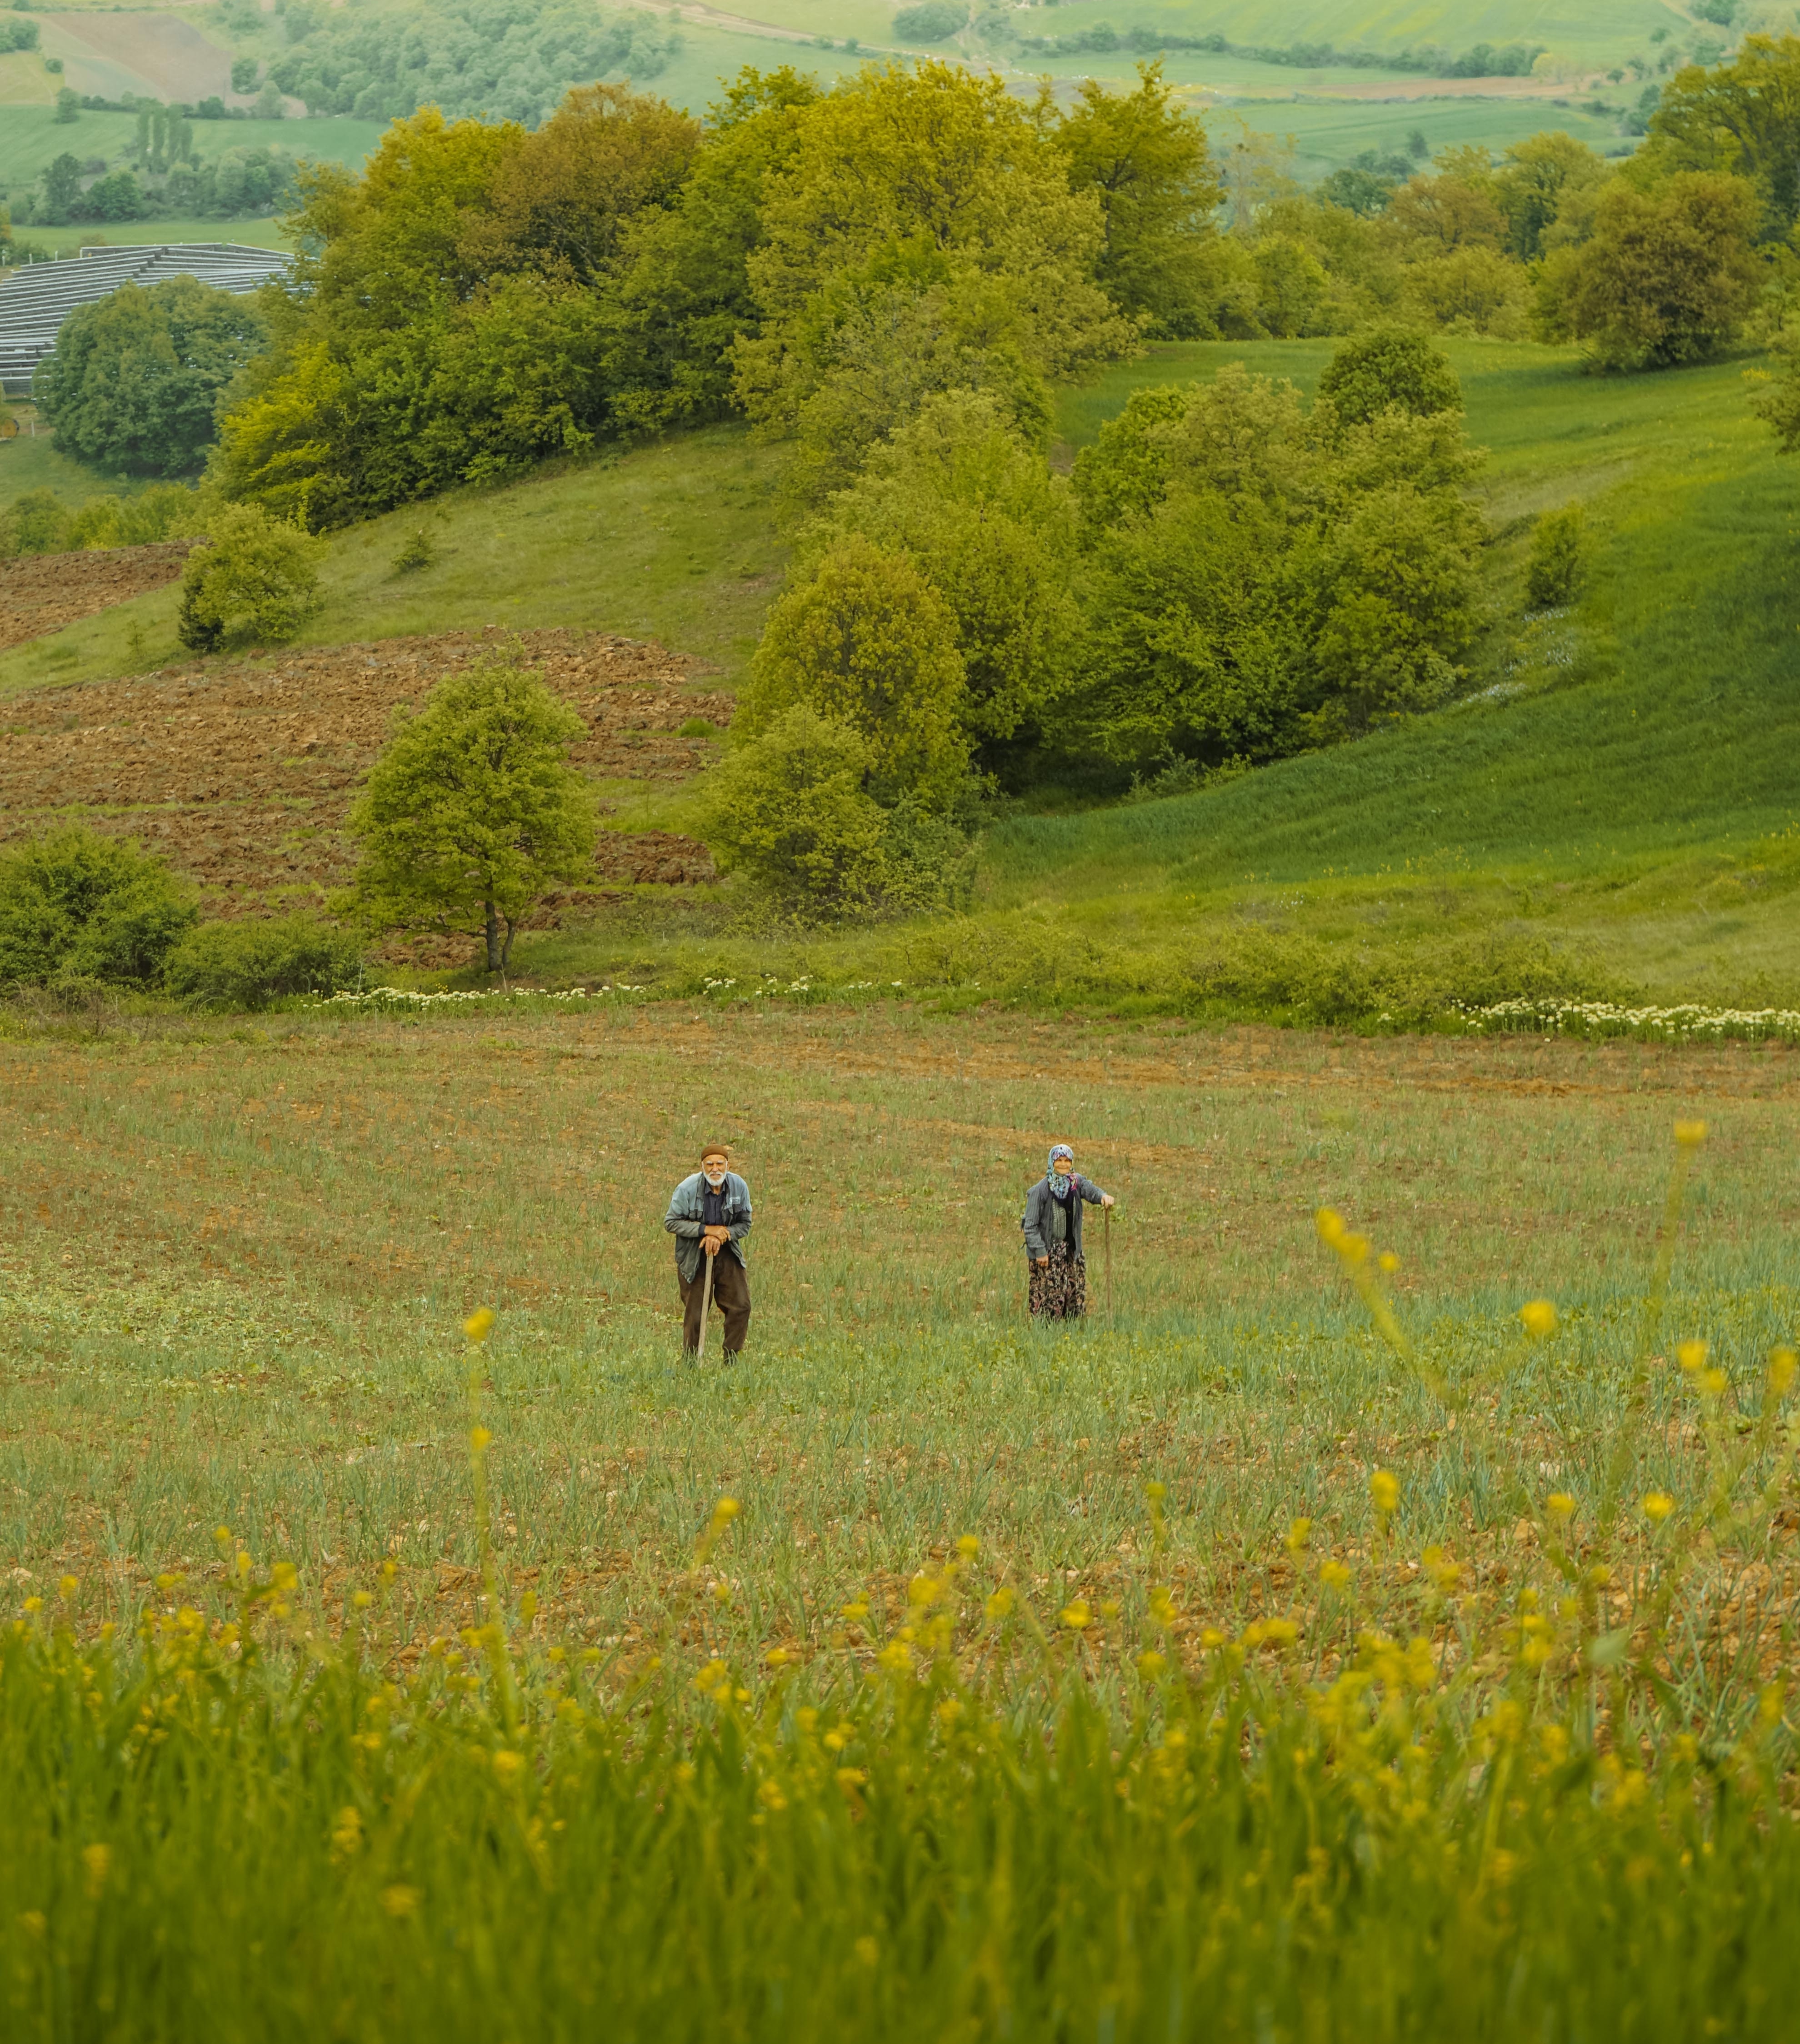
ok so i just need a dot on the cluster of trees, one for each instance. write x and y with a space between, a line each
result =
40 522
499 59
1482 60
240 183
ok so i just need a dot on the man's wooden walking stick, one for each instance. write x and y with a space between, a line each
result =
705 1299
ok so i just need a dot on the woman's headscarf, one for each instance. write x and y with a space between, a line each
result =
1060 1150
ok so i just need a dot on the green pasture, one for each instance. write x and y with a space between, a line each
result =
1324 133
147 234
31 461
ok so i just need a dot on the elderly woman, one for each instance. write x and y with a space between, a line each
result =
1052 1237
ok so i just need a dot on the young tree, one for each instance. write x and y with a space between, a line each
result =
73 902
473 811
1667 276
866 640
133 379
255 574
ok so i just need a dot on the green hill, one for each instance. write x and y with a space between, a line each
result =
1618 786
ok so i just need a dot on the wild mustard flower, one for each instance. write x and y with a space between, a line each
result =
1691 1135
1657 1506
1782 1363
1691 1354
97 1862
1539 1316
1151 1664
400 1901
1389 1261
480 1323
66 1588
1298 1535
1559 1505
968 1547
1333 1575
1076 1616
1000 1603
1384 1492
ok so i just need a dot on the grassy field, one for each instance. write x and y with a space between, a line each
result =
66 241
31 137
234 1426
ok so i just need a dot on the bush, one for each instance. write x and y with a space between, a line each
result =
1389 368
248 965
76 904
930 21
1556 551
37 523
257 573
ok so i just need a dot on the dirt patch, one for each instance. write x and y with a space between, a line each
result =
242 773
41 593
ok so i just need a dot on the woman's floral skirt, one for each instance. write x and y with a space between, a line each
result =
1059 1289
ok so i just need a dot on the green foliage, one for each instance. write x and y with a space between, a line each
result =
1264 579
133 379
1558 551
920 236
1667 276
788 809
248 965
1144 157
1742 117
39 522
256 576
505 60
447 330
1390 368
866 641
930 21
419 551
473 812
977 511
73 904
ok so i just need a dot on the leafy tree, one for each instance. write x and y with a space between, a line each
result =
865 639
73 903
68 104
256 574
1144 156
1389 368
1125 473
473 813
924 188
133 379
789 811
1468 291
1667 276
681 294
1456 209
1741 117
959 492
1535 181
62 190
931 21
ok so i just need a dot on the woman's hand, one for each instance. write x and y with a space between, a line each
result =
1105 1199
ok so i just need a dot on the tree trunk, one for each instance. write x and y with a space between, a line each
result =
497 956
506 952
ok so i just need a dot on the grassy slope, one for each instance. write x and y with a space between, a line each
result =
32 461
30 136
675 542
1627 799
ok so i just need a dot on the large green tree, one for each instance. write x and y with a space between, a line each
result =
473 811
1667 276
134 380
1743 117
1144 156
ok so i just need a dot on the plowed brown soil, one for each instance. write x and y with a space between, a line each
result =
241 773
42 593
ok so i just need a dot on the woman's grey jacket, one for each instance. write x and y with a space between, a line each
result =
685 1219
1040 1216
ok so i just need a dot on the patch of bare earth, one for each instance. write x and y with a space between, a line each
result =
41 593
241 773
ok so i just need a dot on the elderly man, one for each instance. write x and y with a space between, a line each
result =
709 1217
1058 1272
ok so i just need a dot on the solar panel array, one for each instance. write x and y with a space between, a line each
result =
36 297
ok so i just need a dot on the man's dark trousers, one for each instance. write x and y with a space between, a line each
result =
731 1297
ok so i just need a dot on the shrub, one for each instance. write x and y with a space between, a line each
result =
248 965
256 573
930 21
788 810
1389 368
73 903
1557 547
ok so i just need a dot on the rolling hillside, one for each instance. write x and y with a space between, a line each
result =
1619 787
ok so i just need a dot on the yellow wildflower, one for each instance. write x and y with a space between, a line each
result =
1783 1363
1559 1505
1077 1615
1690 1356
1385 1490
1690 1134
400 1901
480 1323
1539 1316
1657 1506
96 1860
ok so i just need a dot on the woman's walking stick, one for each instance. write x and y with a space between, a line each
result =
1106 1213
705 1301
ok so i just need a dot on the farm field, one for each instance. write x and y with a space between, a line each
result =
31 136
234 1416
